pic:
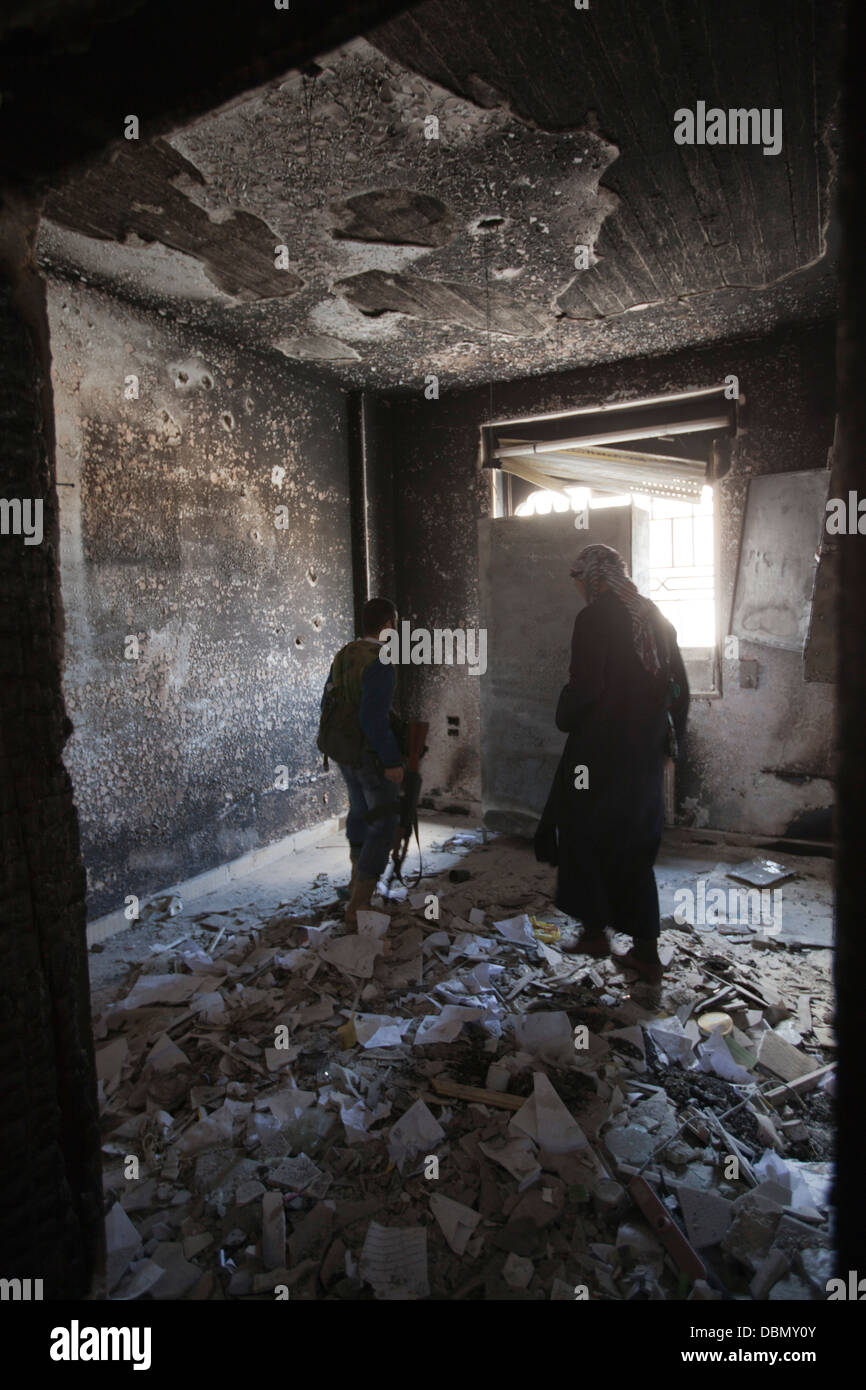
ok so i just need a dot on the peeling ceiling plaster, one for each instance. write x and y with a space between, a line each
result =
404 255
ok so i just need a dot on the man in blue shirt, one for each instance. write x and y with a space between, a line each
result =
373 784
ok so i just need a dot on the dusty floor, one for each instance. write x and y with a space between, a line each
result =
280 1122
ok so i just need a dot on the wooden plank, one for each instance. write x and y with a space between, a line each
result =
782 1059
446 1087
801 1084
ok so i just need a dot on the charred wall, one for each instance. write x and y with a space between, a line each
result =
171 536
758 760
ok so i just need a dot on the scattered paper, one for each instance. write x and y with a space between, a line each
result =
122 1244
355 954
473 946
545 1119
673 1039
110 1060
517 1157
301 1175
358 1117
160 989
760 873
548 1036
380 1030
456 1221
293 960
446 1026
417 1131
517 929
165 1055
715 1057
374 924
394 1261
288 1105
436 938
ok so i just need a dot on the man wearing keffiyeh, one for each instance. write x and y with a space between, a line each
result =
603 821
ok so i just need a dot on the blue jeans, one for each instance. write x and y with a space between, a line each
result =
370 841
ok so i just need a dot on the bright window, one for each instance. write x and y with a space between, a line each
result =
681 553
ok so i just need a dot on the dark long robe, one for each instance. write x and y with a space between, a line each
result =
604 836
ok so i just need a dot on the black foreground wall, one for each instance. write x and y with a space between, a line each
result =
50 1214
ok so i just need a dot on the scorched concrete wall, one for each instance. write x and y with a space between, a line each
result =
171 536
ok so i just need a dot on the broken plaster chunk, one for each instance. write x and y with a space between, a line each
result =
165 1055
194 1245
122 1242
179 1275
498 1077
110 1060
248 1192
702 1293
790 1289
277 1058
752 1230
707 1215
817 1266
313 1234
639 1247
609 1197
273 1230
518 1271
632 1145
772 1268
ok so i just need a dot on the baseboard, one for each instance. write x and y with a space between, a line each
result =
201 884
778 843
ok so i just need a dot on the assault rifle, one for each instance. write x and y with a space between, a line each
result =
408 812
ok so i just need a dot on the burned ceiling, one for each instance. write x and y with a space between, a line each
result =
477 192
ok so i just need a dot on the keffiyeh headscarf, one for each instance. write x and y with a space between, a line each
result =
597 564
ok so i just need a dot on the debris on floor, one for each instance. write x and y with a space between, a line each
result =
448 1106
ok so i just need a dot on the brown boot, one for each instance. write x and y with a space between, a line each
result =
362 891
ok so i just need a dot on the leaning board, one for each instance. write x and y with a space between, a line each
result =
778 557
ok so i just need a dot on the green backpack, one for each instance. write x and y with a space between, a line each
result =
341 737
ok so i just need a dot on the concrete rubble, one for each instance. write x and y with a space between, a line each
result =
452 1107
